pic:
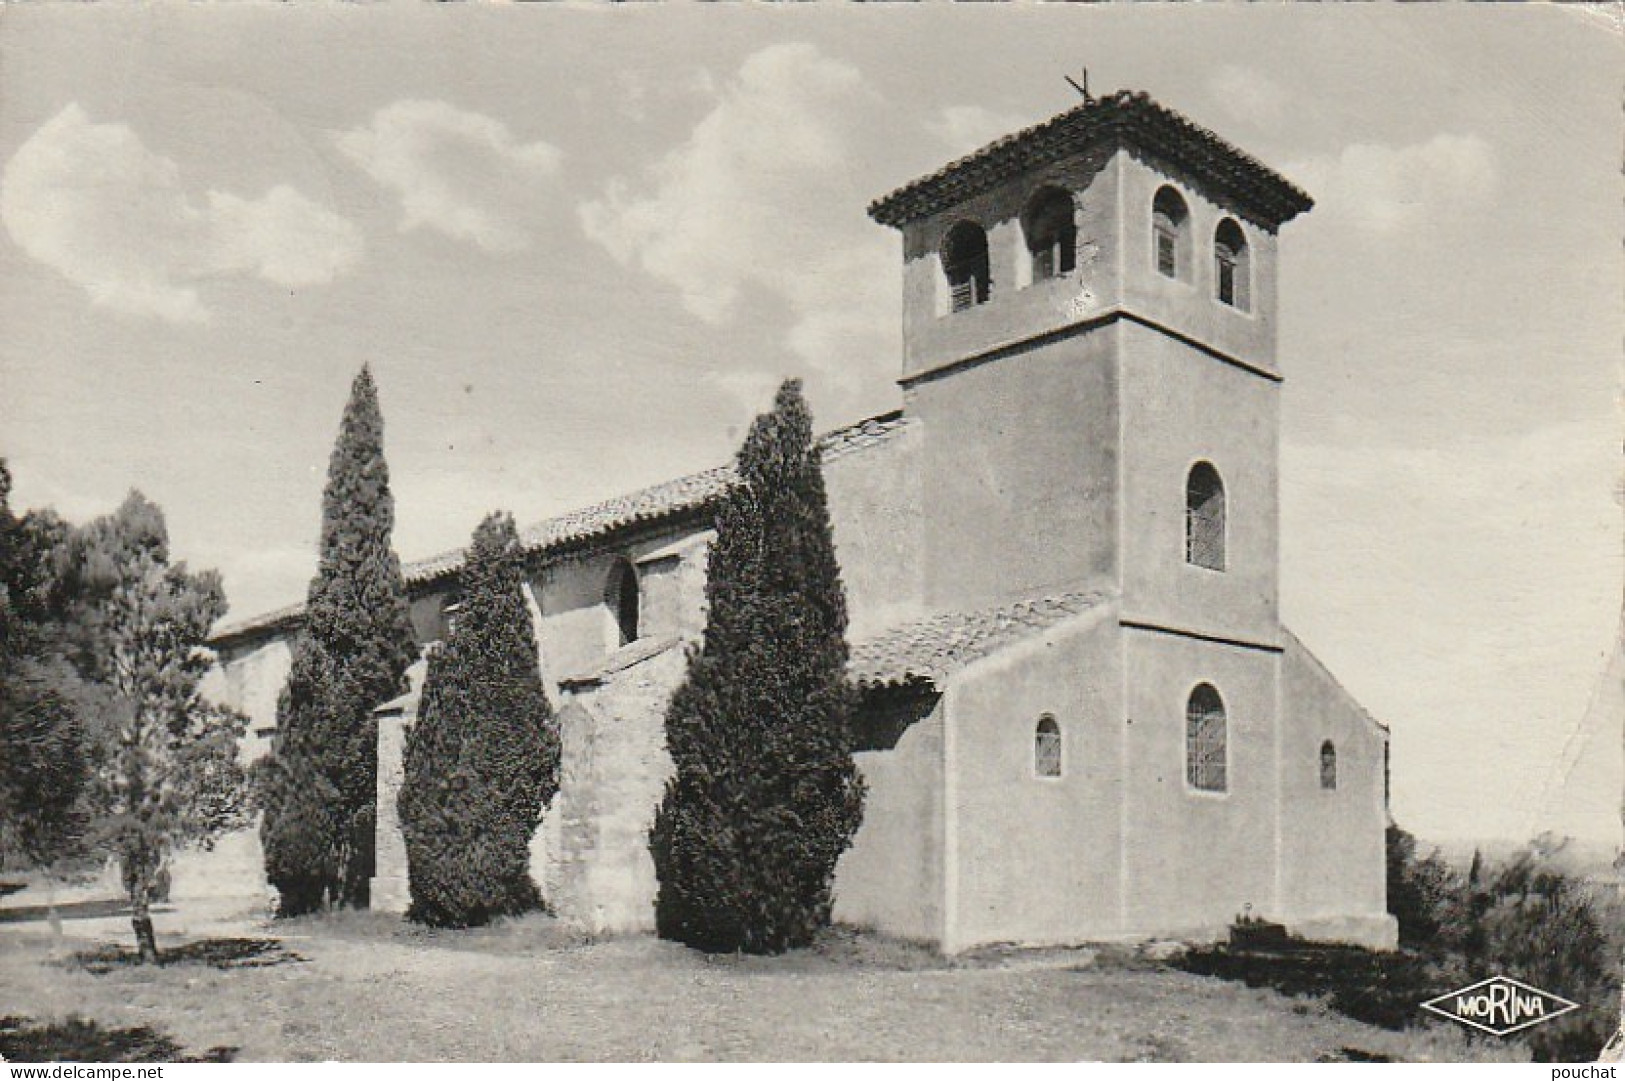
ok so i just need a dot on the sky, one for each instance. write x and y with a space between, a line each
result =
579 245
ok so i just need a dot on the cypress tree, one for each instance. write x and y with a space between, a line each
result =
765 795
350 656
482 759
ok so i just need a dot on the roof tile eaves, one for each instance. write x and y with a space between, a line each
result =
1097 121
931 649
682 494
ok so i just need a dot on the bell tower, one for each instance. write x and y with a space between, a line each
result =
1089 340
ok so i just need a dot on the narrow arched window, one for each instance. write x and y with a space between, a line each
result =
1204 517
1205 735
1047 748
965 264
1328 765
621 597
1170 240
1231 270
1051 233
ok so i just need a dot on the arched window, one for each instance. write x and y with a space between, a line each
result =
1170 240
1051 233
964 263
1205 752
1231 271
1328 765
1047 748
621 597
1204 517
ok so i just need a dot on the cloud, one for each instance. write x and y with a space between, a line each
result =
750 388
639 91
761 196
92 202
1385 189
965 128
456 172
1248 95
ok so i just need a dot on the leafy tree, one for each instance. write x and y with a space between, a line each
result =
765 796
1421 891
1529 919
1525 918
482 759
318 790
168 773
42 742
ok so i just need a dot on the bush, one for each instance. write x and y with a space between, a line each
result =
300 807
1524 919
1421 891
1541 926
483 758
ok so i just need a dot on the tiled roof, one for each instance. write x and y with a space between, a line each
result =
931 649
691 494
274 620
1122 118
628 656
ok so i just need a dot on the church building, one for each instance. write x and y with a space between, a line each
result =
1081 719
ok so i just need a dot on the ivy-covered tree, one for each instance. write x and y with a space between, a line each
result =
482 759
318 788
765 796
43 766
167 773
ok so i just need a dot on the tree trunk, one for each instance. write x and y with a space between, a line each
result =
141 920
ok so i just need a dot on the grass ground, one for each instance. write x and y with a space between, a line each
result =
363 987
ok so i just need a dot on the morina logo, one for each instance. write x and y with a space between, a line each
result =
1500 1005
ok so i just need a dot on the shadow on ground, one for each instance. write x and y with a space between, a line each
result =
78 1040
1382 989
221 953
74 910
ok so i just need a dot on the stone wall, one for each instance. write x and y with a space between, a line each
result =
600 877
248 679
389 890
233 868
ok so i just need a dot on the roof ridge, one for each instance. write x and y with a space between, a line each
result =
686 493
1096 119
